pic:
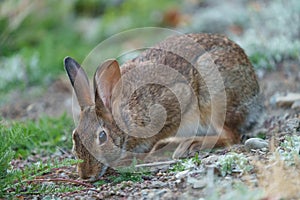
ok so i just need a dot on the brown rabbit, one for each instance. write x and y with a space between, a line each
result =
199 89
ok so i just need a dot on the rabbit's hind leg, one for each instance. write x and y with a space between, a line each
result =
187 145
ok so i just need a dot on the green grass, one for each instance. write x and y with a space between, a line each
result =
186 163
22 139
233 161
289 149
129 173
19 182
135 14
37 36
41 137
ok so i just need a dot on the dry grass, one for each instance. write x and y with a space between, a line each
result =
278 180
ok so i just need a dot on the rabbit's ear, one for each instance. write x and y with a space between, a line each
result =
106 77
79 81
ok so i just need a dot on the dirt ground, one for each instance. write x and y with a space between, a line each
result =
278 122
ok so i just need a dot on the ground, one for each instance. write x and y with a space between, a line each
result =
192 182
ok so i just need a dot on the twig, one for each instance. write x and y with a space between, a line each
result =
157 163
61 180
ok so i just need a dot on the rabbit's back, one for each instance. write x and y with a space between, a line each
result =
212 65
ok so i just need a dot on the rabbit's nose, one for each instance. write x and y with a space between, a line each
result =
85 173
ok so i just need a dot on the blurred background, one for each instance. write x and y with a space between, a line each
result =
36 35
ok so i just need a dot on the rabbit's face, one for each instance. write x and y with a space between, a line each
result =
96 140
93 144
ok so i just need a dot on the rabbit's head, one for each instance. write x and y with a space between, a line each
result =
96 140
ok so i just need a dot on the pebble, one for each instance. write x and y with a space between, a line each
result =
196 184
288 100
182 174
296 105
210 160
155 194
158 184
256 143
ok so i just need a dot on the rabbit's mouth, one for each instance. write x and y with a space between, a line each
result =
97 177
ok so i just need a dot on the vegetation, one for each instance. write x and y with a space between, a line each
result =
23 139
233 162
186 163
37 35
130 173
289 149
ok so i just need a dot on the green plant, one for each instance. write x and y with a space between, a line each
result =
289 149
130 173
272 37
233 162
261 135
134 14
36 37
43 136
269 29
186 163
21 181
21 139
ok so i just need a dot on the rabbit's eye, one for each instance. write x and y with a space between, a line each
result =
102 137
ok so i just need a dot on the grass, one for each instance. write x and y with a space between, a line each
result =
37 35
289 149
20 182
130 173
44 136
272 37
270 29
22 139
186 163
233 162
278 179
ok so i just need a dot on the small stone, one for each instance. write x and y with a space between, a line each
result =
296 105
173 178
196 184
158 184
178 181
288 100
159 173
210 160
161 192
182 174
264 150
199 185
256 143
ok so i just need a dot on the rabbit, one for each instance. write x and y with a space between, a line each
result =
198 90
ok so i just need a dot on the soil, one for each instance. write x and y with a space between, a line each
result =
163 184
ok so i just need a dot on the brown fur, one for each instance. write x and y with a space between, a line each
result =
128 115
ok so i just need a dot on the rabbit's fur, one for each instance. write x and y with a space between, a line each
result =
209 87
